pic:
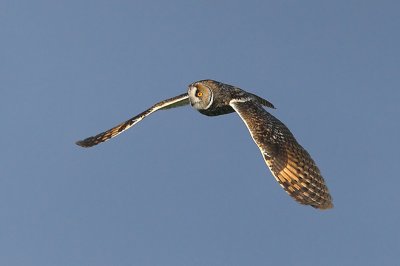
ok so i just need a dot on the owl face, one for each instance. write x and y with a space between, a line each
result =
200 96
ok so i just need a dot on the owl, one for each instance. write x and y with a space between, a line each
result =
290 164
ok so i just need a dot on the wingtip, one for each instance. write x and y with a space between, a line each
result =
81 143
325 206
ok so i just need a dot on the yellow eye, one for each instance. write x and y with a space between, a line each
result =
199 94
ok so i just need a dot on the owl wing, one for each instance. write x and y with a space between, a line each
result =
289 162
177 101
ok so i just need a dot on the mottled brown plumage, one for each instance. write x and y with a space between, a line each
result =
290 164
177 101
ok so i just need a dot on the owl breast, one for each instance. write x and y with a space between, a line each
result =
222 110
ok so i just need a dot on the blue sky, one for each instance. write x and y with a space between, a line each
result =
181 188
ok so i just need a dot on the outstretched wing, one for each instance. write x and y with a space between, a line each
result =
177 101
289 162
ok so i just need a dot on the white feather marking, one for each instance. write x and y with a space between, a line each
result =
211 100
241 100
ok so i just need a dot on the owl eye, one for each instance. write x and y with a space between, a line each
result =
199 93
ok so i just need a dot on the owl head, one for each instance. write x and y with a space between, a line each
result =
200 94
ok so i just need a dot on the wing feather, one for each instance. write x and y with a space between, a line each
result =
177 101
290 164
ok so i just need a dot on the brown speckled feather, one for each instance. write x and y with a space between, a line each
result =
177 101
289 162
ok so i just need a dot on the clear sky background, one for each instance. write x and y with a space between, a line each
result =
181 188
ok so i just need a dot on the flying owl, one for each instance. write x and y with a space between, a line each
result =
290 164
